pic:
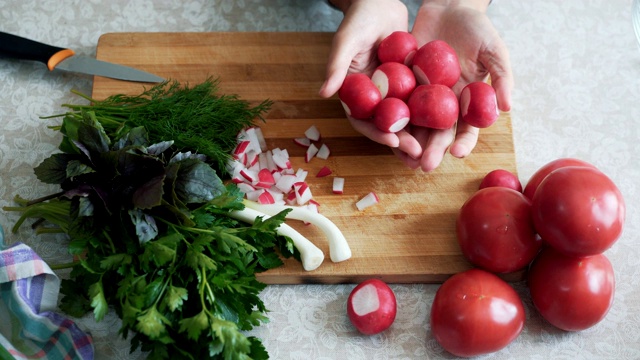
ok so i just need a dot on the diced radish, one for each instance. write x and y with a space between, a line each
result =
323 152
266 198
261 139
302 141
338 185
301 175
325 171
285 183
252 158
245 188
254 195
241 148
252 136
233 165
368 200
290 198
281 160
262 160
317 204
303 193
270 164
276 175
265 179
249 175
312 150
312 133
276 194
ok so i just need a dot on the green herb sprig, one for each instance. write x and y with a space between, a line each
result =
153 240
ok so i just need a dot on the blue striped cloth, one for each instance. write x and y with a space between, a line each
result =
29 326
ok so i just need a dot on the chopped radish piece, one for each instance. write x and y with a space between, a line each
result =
301 175
241 148
285 183
262 161
252 136
234 165
265 179
254 195
303 193
245 188
317 204
249 175
252 158
312 150
369 200
338 185
290 198
323 152
302 141
261 139
270 164
312 133
281 160
266 198
325 171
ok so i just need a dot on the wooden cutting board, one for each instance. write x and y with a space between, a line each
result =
409 237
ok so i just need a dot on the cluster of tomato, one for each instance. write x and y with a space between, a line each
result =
556 230
413 85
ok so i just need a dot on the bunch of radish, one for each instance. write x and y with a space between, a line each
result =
413 85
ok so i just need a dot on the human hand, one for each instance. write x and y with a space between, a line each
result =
354 50
464 25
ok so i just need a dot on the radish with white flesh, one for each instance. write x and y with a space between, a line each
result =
285 183
436 63
372 306
338 185
324 171
266 198
478 104
310 255
359 96
323 152
338 246
367 201
312 133
303 192
312 150
433 106
392 115
399 46
394 80
265 179
302 141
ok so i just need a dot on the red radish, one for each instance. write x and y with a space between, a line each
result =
325 171
302 141
434 106
266 198
478 104
285 183
372 306
265 179
245 188
338 185
359 96
323 152
312 133
501 177
392 115
394 80
436 63
399 46
303 193
312 150
367 201
249 175
255 195
301 175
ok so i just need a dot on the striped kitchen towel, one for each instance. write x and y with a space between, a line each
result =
29 326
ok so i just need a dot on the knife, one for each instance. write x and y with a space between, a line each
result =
65 59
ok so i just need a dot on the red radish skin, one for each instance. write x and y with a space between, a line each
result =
436 63
392 115
478 105
324 171
394 80
501 177
359 96
433 106
372 307
399 46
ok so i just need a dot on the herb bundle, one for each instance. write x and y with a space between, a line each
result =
152 237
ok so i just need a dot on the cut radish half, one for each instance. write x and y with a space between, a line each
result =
249 175
261 139
302 141
312 133
325 171
254 195
368 200
301 175
285 183
338 185
323 152
303 193
312 150
245 188
265 179
266 198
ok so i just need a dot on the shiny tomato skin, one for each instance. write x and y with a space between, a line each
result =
475 312
495 230
578 210
501 177
540 174
571 293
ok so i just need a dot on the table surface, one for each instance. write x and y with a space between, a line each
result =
577 74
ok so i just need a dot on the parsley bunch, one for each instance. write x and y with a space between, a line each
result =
153 240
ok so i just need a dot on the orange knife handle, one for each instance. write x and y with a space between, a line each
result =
24 49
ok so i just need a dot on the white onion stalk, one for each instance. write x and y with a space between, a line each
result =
338 247
310 255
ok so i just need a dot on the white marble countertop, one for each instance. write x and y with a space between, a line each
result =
577 94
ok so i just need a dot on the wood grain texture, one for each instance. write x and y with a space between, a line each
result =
410 236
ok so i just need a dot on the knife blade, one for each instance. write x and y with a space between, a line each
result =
54 57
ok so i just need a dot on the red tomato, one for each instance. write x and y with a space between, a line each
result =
475 312
578 210
539 175
501 177
571 293
495 231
